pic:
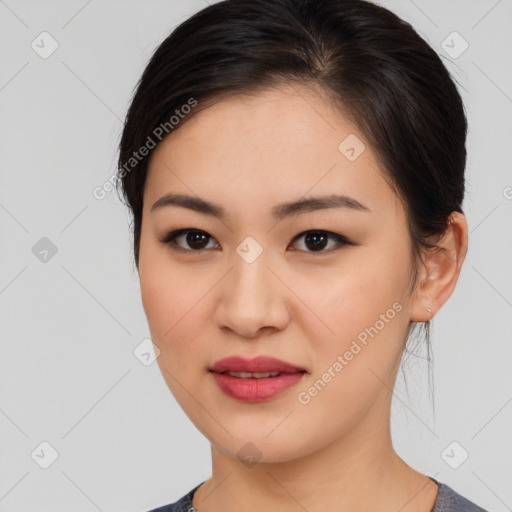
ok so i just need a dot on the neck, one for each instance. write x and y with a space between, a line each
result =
358 471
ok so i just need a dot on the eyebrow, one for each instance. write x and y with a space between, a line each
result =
279 212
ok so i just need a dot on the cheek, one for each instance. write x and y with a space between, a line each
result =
172 307
357 362
161 302
361 301
357 291
173 314
167 292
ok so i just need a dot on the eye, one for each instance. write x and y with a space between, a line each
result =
194 238
318 240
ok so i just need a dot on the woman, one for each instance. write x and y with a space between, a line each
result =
295 171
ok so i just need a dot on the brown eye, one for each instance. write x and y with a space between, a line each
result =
196 240
192 240
317 241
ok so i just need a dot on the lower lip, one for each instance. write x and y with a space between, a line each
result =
255 390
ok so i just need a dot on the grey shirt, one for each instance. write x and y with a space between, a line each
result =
447 501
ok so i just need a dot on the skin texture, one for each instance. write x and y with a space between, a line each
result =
248 154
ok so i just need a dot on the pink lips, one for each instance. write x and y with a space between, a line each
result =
255 365
253 389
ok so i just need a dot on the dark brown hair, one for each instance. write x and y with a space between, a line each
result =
366 59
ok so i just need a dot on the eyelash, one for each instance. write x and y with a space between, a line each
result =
170 239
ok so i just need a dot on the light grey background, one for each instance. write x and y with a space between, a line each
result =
69 325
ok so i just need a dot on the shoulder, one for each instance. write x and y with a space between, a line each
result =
447 500
184 504
450 501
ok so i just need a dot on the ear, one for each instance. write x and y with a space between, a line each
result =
439 276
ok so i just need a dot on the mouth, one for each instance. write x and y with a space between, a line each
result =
257 375
255 380
257 367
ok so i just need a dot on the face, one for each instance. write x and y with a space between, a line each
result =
322 286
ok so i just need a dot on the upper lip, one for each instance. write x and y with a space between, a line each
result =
257 364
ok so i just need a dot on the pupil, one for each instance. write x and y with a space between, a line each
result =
317 238
196 238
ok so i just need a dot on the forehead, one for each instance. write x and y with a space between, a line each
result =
278 144
283 123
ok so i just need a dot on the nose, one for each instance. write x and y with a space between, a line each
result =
253 300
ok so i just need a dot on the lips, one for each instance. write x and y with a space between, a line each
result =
255 380
260 364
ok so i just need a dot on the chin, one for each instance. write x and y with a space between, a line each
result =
257 447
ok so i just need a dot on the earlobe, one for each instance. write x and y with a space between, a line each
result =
441 270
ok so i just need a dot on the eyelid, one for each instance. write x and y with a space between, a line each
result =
341 241
170 239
